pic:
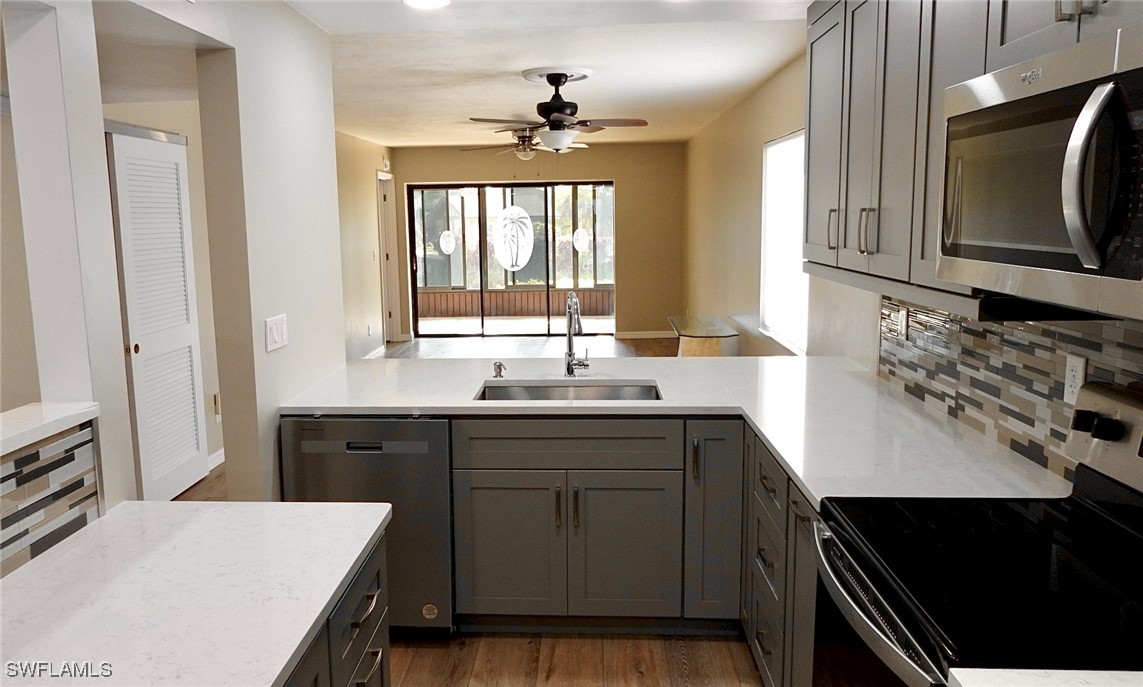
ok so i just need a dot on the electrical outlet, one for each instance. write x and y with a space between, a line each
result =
1074 377
276 334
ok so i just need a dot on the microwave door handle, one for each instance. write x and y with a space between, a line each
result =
951 226
1072 183
883 646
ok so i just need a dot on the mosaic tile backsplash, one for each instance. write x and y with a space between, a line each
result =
47 492
1005 379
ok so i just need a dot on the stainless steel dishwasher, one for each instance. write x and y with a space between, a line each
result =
399 461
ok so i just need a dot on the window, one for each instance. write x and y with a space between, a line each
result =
785 288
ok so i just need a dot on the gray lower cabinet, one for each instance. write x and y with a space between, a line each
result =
713 558
576 542
313 669
625 549
783 576
511 541
352 647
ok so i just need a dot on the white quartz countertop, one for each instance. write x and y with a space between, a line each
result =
187 593
837 428
28 424
1043 678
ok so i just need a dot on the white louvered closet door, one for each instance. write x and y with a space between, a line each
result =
156 267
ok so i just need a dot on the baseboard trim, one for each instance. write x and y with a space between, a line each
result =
215 459
374 354
646 335
400 338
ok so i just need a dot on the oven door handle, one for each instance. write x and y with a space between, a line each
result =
873 636
1072 182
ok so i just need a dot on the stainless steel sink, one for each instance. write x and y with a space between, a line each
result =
570 390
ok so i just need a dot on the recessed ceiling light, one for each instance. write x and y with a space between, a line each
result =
427 4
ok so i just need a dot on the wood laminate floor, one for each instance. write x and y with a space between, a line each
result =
209 488
555 660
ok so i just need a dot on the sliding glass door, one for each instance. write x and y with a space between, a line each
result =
499 259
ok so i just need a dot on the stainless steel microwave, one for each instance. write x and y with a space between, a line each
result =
1043 186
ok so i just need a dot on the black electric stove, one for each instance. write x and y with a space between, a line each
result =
996 583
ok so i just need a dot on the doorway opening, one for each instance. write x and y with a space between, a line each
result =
499 259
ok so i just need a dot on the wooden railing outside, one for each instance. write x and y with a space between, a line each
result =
502 303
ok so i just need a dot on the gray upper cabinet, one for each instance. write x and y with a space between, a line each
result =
1022 29
882 64
625 548
511 541
713 474
1019 30
953 36
1109 15
825 69
864 58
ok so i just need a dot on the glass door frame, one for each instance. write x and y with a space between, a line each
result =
482 230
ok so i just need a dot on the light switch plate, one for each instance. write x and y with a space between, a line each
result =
277 335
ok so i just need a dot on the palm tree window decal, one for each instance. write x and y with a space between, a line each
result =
513 238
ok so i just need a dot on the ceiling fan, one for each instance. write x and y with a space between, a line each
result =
525 145
559 125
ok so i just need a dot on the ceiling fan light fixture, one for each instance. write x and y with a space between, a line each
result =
427 4
557 140
525 154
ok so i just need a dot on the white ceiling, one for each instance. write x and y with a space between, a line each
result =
408 78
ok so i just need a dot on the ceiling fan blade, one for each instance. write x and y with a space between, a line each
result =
613 122
517 130
590 129
558 117
579 145
545 149
506 145
511 149
519 122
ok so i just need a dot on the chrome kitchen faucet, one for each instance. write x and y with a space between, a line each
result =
575 326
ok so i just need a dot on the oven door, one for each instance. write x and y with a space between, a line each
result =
1038 177
867 613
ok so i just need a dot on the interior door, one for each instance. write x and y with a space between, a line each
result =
164 367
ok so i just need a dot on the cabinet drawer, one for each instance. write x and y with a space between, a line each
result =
357 615
373 668
767 640
571 444
770 485
768 555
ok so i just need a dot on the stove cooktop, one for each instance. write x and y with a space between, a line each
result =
993 583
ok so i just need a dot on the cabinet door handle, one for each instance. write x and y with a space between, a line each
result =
356 624
862 213
695 457
768 487
797 511
829 224
559 506
575 506
766 563
364 682
865 234
1077 9
762 643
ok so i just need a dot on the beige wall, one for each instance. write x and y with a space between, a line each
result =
182 117
724 238
358 162
19 374
650 189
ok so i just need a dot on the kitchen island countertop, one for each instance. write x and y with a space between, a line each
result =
186 593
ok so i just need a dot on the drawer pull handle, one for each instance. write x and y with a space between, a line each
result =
364 447
559 506
768 487
695 457
803 518
769 565
575 506
762 643
364 682
356 624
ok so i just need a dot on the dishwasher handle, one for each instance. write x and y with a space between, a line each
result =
346 446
